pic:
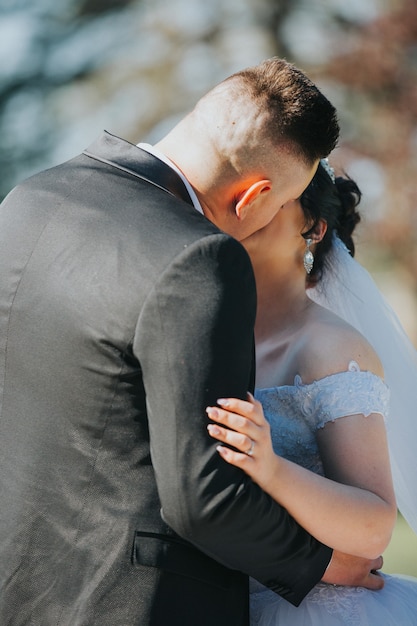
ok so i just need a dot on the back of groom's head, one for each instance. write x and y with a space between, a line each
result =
294 109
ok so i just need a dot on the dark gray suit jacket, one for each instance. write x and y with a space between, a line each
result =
123 314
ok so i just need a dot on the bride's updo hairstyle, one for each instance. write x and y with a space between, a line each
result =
334 200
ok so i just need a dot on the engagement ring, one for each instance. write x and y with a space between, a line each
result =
250 451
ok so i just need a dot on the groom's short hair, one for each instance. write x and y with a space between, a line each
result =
297 110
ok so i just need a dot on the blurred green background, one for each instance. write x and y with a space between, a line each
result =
401 555
69 69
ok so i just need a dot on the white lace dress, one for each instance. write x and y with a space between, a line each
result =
295 413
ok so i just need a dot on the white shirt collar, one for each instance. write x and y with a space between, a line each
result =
152 150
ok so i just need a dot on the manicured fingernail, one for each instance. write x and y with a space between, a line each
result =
223 401
213 430
212 412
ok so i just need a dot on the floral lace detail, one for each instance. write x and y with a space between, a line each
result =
344 603
341 601
296 412
334 605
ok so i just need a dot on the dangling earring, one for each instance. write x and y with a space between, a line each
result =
308 257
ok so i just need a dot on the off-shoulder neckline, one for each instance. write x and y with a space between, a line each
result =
353 367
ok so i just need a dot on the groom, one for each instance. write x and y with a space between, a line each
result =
125 310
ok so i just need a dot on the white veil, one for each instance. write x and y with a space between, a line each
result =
347 289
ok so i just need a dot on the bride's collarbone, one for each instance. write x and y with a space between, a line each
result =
281 357
277 365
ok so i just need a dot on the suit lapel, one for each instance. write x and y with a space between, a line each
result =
133 160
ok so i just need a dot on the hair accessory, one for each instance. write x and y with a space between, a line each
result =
308 258
330 171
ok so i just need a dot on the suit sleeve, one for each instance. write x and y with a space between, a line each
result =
194 341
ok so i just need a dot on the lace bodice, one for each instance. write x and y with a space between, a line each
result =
296 412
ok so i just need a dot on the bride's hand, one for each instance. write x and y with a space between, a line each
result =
242 424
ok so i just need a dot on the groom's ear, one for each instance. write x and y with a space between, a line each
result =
247 197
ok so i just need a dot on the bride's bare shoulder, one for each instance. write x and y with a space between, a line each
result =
329 344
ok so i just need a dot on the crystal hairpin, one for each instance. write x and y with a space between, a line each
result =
330 171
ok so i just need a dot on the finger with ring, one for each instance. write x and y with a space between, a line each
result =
251 449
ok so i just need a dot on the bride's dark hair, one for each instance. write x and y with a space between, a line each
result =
335 203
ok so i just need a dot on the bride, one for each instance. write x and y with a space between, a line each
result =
322 450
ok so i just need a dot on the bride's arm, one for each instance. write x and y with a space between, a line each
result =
352 509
